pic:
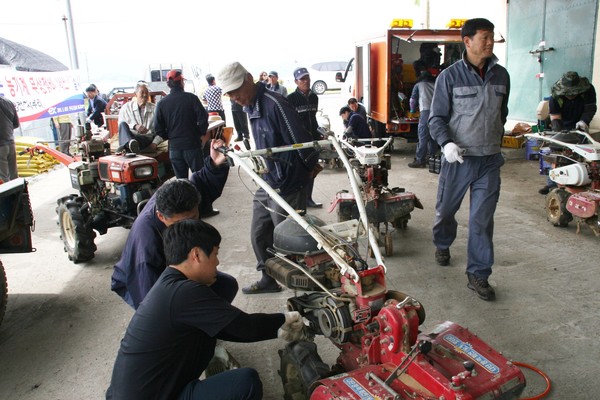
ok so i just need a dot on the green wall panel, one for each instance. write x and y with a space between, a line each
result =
569 27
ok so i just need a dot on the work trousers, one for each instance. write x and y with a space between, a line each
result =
126 134
235 384
64 137
183 161
240 122
426 146
480 175
266 215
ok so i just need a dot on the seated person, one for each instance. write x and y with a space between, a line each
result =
172 336
572 106
358 108
356 126
143 260
136 123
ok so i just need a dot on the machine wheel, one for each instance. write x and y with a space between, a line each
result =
319 87
75 231
556 207
389 244
3 292
301 366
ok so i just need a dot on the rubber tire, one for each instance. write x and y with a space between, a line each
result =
556 207
295 385
3 292
77 235
319 87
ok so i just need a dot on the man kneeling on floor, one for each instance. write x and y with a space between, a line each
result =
172 336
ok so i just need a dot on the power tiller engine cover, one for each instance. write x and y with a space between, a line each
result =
300 248
450 362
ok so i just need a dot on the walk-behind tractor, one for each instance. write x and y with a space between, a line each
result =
112 190
574 158
387 208
383 354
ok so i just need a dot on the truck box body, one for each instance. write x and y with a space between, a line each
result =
382 74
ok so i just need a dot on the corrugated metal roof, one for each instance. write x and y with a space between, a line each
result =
24 58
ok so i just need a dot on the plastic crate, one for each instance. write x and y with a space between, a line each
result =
513 142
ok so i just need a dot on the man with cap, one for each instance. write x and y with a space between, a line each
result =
572 106
274 85
306 103
274 122
182 120
468 112
356 126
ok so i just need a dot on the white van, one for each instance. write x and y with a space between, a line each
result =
322 75
156 76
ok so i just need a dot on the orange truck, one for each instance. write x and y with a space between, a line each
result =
385 68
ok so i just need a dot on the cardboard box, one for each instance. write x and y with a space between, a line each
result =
513 142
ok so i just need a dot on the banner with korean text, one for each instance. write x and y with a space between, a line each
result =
40 95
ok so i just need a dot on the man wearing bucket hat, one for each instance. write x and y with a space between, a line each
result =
274 122
572 106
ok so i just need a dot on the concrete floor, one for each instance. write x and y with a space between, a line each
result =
63 324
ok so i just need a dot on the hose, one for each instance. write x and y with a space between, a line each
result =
540 373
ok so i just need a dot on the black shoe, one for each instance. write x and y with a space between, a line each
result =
416 164
238 139
313 204
210 213
481 287
442 257
544 190
133 146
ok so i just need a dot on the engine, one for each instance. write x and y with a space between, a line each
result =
299 263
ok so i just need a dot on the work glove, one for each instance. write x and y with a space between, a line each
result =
582 126
293 321
452 153
293 327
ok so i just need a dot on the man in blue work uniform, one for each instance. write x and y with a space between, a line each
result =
468 113
274 122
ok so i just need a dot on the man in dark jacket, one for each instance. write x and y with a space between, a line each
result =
143 260
96 106
172 336
274 123
306 103
356 126
181 118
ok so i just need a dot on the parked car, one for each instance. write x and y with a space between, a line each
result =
322 75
